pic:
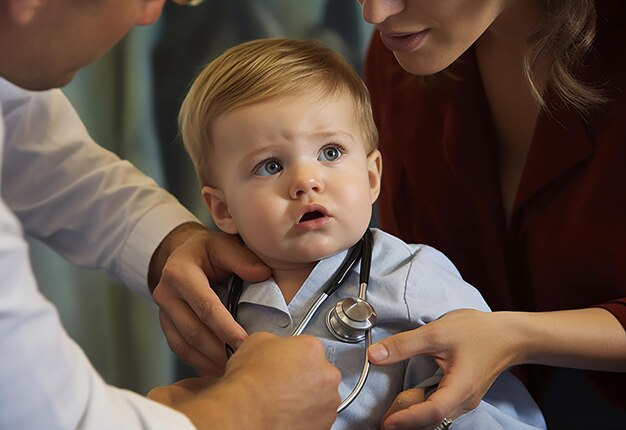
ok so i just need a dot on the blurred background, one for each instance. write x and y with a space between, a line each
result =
129 101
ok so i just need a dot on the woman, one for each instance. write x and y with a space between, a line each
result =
508 153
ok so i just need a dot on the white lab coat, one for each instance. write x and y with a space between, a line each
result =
97 211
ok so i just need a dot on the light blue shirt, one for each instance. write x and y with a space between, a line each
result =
410 285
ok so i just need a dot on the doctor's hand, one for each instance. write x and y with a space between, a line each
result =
289 379
182 391
269 383
195 322
471 349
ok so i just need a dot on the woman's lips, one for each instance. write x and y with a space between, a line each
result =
403 42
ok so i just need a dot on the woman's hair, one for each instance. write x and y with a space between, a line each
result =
262 70
558 50
556 56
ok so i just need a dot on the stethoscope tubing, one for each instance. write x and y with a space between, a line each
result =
368 341
310 314
363 251
362 377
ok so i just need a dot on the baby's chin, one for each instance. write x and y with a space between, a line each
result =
296 260
301 253
293 263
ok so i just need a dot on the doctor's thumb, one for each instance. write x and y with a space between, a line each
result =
245 264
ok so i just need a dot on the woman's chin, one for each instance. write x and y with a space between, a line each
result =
421 66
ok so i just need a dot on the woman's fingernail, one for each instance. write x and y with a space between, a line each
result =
378 352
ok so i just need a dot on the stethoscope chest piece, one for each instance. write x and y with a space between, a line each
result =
350 319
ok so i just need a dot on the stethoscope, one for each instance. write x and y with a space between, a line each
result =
350 320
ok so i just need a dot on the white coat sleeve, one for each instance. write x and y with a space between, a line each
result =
83 201
46 382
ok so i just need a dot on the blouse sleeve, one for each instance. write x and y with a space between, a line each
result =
617 308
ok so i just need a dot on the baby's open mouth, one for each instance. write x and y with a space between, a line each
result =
311 215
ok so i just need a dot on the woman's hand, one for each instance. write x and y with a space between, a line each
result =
472 348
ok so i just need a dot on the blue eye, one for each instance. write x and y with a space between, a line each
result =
330 153
268 168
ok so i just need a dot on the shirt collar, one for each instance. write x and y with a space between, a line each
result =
267 293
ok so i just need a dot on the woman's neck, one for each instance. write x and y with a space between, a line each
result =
517 21
500 53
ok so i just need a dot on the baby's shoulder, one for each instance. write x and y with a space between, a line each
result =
391 252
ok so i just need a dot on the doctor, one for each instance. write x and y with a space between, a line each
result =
99 211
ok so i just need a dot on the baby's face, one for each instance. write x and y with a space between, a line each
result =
293 178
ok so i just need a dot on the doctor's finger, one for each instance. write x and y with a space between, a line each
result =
402 346
195 332
203 364
194 288
227 254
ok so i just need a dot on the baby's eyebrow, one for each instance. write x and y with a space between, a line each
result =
259 153
332 134
263 149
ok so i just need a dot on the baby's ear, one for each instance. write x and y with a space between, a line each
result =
375 170
216 204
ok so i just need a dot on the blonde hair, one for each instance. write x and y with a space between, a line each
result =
562 43
557 51
261 70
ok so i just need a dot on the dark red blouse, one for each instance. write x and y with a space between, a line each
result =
565 247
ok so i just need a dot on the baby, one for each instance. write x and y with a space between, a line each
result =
284 144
